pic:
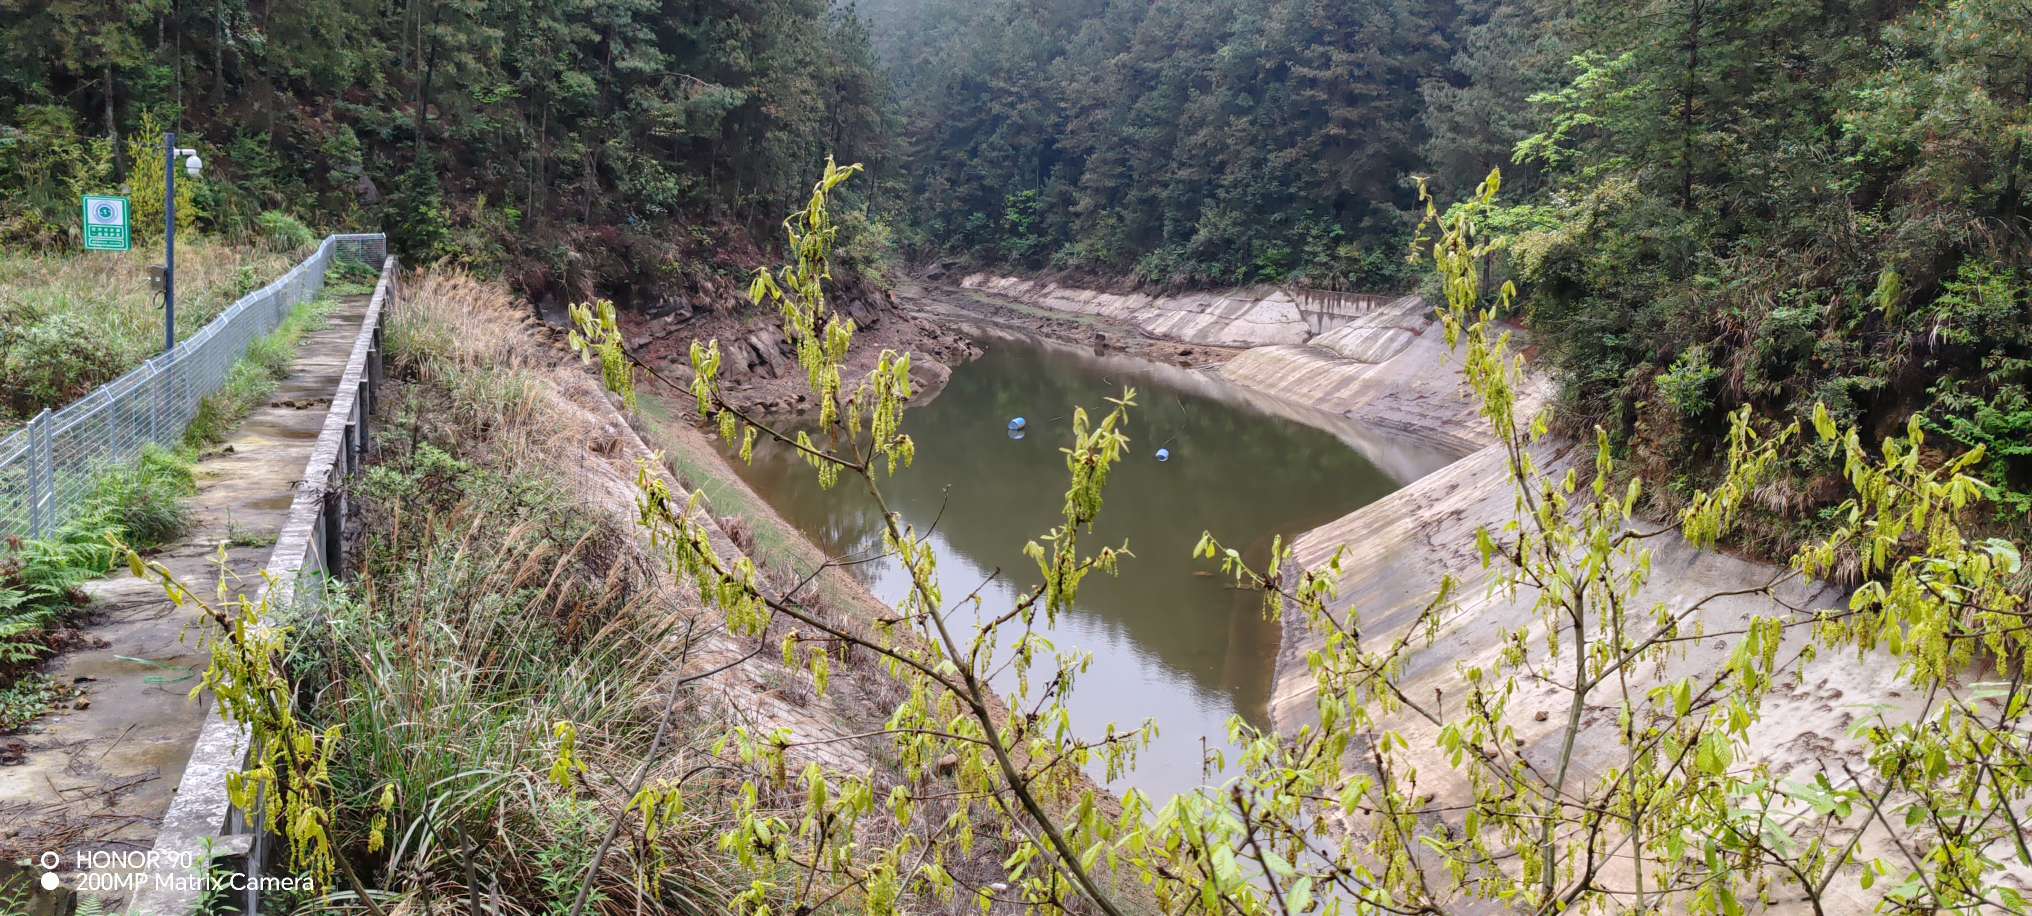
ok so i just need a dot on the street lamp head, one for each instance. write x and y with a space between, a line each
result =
193 165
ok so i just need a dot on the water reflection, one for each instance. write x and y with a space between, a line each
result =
1171 641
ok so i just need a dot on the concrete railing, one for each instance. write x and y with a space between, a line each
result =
202 828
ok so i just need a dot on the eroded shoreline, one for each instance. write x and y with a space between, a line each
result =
1389 371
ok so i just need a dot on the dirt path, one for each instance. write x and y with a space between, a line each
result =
97 773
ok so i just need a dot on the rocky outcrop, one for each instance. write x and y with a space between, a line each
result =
759 365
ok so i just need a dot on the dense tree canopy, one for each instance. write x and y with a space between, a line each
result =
1781 203
492 130
1180 141
1713 203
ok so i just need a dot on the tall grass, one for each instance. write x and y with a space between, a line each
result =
71 322
493 600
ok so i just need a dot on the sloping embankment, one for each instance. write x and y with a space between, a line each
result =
1233 318
1398 548
1379 361
1388 369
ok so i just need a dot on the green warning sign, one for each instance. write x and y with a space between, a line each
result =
106 224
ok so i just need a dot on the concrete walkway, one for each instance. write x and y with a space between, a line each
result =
99 771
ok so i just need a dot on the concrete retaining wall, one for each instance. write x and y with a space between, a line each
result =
1389 369
1248 317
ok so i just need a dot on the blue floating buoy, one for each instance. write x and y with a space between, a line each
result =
1017 424
1164 454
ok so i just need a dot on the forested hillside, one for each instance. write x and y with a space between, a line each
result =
568 143
1708 203
511 613
1778 204
1175 142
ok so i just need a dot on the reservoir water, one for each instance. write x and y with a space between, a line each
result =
1171 639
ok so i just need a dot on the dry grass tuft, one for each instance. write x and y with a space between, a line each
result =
500 591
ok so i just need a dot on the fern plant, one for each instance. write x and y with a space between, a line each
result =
41 578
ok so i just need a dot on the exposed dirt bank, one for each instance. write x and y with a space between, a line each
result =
759 368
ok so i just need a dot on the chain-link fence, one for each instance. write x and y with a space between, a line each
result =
49 467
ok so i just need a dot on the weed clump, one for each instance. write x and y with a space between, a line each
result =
489 606
146 501
253 378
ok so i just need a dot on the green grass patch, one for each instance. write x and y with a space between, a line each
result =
351 278
40 580
146 501
254 377
774 544
777 545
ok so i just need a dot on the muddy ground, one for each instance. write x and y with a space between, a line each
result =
758 367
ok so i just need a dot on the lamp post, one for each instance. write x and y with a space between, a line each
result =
194 166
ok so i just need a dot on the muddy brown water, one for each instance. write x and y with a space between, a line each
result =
1171 640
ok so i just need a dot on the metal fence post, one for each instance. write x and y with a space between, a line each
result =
38 463
158 404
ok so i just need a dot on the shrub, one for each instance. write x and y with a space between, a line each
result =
867 247
24 700
351 278
415 218
146 185
39 580
51 355
44 162
283 232
1689 385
